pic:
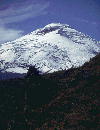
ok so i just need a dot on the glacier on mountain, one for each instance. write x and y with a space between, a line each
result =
52 48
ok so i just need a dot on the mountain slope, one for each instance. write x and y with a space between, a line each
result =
65 100
52 48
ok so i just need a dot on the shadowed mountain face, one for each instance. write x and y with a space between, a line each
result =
65 100
52 48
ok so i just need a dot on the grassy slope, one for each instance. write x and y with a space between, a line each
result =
65 100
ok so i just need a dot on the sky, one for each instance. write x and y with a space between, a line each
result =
20 17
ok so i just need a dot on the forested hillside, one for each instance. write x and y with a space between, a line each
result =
64 100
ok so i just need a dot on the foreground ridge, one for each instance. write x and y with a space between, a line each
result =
61 100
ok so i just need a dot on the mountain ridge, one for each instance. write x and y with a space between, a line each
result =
52 48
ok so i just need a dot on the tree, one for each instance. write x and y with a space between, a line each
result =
32 71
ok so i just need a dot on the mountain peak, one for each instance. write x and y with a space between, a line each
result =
51 27
52 48
55 25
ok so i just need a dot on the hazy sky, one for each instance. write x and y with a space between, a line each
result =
19 17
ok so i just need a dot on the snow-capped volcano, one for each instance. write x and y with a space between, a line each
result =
52 48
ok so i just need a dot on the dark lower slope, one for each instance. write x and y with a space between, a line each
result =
65 100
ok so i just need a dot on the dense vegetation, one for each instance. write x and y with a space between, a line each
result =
64 100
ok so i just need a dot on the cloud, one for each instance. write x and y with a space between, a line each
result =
17 12
9 34
22 12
